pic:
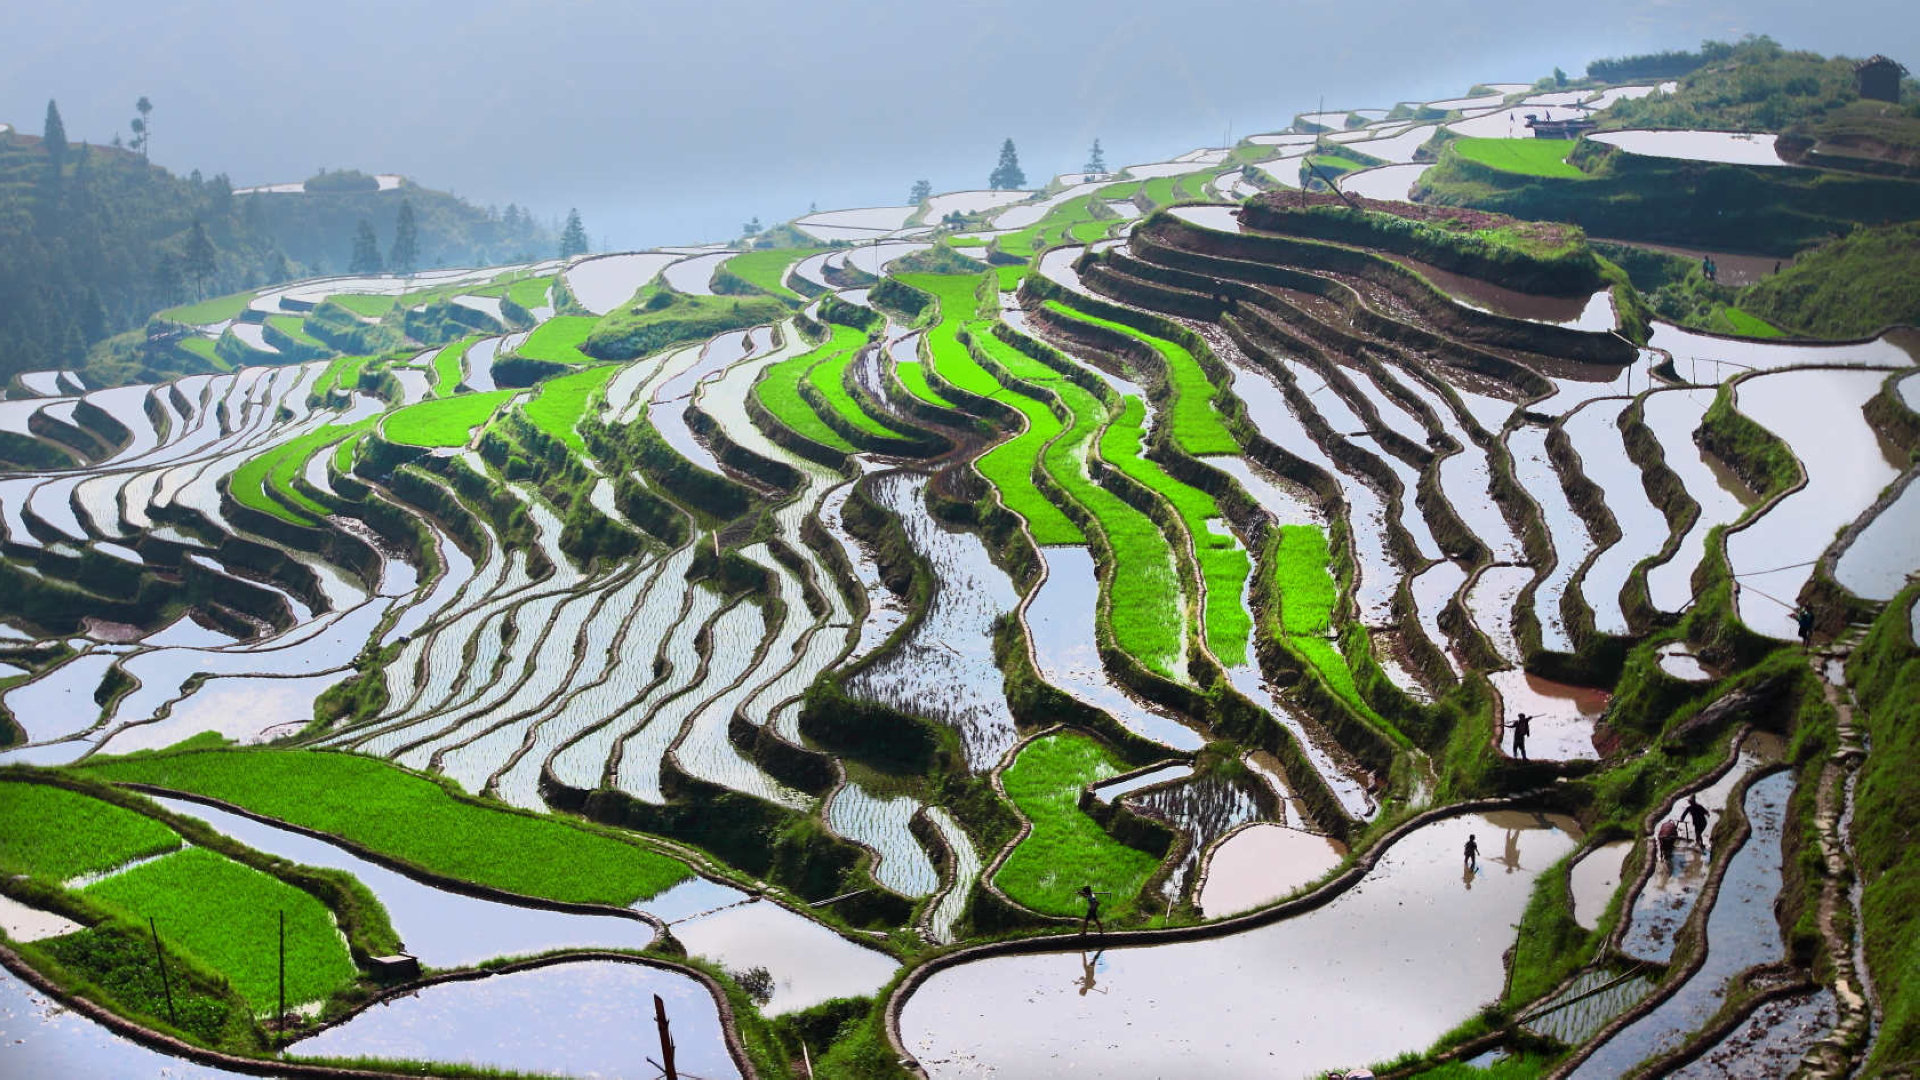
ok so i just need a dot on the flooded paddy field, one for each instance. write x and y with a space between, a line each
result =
781 612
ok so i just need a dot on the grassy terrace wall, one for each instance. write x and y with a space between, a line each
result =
1721 207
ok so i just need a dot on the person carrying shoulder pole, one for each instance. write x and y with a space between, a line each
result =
1093 911
1803 618
1522 727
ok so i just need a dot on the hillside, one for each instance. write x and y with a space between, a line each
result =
315 227
1852 287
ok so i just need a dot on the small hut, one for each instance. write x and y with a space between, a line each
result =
1879 78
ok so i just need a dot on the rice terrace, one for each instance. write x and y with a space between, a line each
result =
1392 595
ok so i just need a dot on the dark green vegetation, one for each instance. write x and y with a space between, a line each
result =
416 820
1855 286
96 238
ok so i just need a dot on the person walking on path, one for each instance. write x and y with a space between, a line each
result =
1471 854
1803 618
1522 727
1697 814
1093 911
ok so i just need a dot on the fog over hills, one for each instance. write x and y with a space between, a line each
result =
670 124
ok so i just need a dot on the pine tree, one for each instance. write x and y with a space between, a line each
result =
54 137
1007 175
366 251
404 256
922 191
573 240
201 263
142 125
1096 160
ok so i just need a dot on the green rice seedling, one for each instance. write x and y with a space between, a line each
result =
265 483
561 403
913 376
218 309
54 834
204 348
779 388
1530 157
1067 849
558 340
372 305
1304 589
1009 468
443 421
227 916
767 270
1223 563
1195 425
448 367
532 292
827 379
342 373
294 327
405 816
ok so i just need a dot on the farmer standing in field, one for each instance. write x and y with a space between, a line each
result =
1093 911
1522 727
1697 814
1472 852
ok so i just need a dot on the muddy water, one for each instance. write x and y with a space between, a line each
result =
1571 540
1676 661
1817 414
1668 896
1673 416
1770 1043
1204 808
1060 618
1341 777
1385 967
1261 864
1880 560
1741 932
1563 715
1594 880
574 1018
444 929
1643 529
809 963
945 667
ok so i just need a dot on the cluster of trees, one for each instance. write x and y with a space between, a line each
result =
94 239
1749 85
402 258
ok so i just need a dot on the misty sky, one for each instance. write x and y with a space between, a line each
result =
673 123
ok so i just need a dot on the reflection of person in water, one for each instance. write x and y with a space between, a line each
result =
1089 963
1510 858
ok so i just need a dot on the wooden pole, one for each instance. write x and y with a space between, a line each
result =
666 1038
282 1016
161 961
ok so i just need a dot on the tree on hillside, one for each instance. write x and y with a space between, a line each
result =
200 261
1007 175
751 228
922 191
366 250
54 137
1096 161
142 125
573 239
404 256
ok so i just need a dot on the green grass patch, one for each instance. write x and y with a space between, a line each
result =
1196 427
1528 157
913 376
294 327
1731 320
448 367
343 373
1849 287
532 292
55 834
371 305
1060 223
443 421
406 816
827 377
558 340
1302 580
779 388
657 319
343 454
218 309
1067 849
228 917
767 270
563 401
1009 468
202 347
